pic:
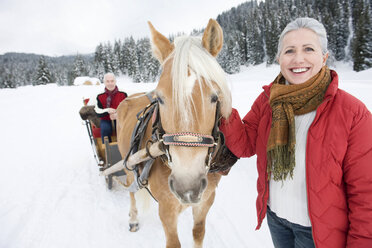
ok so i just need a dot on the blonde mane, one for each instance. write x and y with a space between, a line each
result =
190 58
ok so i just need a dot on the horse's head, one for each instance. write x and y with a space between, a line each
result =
191 86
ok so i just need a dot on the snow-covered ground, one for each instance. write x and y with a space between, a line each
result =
51 193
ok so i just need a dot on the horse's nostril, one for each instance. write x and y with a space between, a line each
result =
204 184
171 186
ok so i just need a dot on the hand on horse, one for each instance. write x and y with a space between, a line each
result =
111 111
113 116
224 172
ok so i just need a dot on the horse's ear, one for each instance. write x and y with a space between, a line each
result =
161 46
213 38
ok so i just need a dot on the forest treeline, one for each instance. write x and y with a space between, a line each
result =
251 32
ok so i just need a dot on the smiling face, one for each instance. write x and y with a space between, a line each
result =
110 82
301 56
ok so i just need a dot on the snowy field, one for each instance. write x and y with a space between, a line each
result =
51 193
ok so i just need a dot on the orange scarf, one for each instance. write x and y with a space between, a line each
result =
287 101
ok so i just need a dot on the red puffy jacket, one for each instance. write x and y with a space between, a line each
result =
115 101
338 164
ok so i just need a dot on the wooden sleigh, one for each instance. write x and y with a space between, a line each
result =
105 153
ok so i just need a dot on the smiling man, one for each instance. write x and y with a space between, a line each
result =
107 103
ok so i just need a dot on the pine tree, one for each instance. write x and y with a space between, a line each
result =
43 74
272 33
132 59
149 66
255 48
98 55
236 58
342 32
8 80
100 71
223 58
124 63
270 42
107 58
79 67
116 57
362 42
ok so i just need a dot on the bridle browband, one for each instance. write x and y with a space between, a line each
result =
188 139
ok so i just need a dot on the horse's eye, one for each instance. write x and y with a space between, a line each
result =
214 98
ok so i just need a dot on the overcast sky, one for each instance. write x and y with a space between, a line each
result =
65 27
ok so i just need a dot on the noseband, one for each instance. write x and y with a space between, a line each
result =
187 139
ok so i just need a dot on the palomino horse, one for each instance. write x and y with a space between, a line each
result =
191 86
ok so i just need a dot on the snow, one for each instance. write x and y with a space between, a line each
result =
51 193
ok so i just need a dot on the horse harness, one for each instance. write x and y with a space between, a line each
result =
188 139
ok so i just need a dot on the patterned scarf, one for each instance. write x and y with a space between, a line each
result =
110 95
287 101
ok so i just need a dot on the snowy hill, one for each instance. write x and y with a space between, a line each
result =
51 193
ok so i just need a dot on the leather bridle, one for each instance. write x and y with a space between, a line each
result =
187 139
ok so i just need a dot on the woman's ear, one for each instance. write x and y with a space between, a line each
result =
325 57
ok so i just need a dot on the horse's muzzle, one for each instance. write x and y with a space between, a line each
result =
190 193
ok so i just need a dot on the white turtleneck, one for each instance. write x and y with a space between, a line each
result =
288 199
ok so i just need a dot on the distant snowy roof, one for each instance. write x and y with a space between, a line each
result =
87 81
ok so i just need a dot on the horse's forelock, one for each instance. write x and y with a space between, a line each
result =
191 60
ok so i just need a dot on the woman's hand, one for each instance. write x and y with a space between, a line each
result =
111 111
113 116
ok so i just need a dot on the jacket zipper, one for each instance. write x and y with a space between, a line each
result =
307 174
266 185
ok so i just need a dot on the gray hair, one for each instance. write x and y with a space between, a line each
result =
109 74
308 23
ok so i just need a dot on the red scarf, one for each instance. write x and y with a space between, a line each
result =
110 95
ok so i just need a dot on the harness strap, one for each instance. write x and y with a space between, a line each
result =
143 119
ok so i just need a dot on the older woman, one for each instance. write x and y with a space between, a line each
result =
314 148
107 102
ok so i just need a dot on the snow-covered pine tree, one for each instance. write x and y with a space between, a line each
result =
132 59
43 75
8 80
79 68
116 57
256 47
98 54
107 57
285 16
226 58
331 28
153 67
342 32
362 42
141 48
149 66
124 62
271 34
236 59
100 71
222 57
